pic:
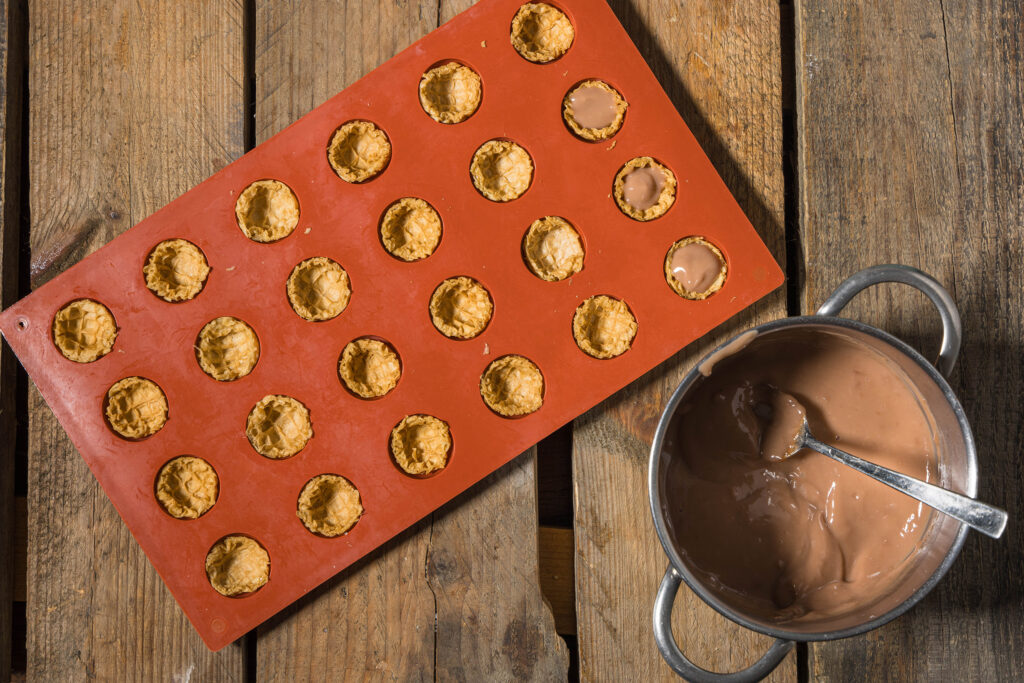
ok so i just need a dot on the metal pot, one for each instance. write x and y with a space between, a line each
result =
943 538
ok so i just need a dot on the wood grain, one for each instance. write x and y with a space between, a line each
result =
911 148
720 63
128 110
470 571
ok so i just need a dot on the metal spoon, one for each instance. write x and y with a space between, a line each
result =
987 519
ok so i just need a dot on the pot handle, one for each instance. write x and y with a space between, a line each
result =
683 666
919 280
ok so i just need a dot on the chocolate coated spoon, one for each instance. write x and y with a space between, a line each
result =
787 432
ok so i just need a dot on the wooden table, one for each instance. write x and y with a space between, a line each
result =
851 134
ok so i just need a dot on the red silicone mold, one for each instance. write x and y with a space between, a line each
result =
573 179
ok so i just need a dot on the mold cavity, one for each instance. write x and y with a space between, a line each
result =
695 268
267 211
318 289
644 189
594 110
501 170
176 270
421 445
358 151
541 33
135 408
450 92
604 327
83 330
369 368
278 427
512 386
461 308
237 566
227 349
187 487
552 249
410 229
329 505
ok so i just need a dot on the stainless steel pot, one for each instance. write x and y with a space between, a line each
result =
957 468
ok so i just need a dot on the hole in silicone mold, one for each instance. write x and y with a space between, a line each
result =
695 268
513 386
267 211
83 330
359 151
369 368
604 327
421 445
135 408
329 505
501 170
552 249
176 270
542 32
186 487
237 566
450 91
410 229
22 323
278 426
227 349
461 308
594 110
318 289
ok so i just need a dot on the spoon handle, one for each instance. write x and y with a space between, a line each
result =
987 519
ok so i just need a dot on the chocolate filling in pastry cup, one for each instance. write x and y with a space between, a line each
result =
237 565
644 189
278 427
553 249
512 386
369 368
541 33
136 408
84 331
461 308
176 270
421 444
227 349
410 229
187 487
695 268
267 211
501 170
358 151
329 505
450 93
594 110
318 289
603 327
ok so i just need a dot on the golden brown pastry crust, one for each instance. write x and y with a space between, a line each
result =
594 134
604 327
410 229
136 408
278 427
369 368
176 270
227 349
512 386
665 200
450 93
318 289
677 286
358 151
187 487
267 211
84 330
329 505
237 565
461 308
501 170
541 33
553 249
420 444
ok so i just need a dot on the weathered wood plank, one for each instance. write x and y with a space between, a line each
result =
472 568
720 63
557 550
911 152
131 105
